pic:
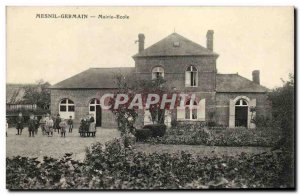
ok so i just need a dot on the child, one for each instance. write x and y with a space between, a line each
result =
56 123
36 124
63 126
70 123
31 126
20 123
49 126
42 124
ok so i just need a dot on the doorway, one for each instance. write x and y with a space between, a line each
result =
95 109
241 113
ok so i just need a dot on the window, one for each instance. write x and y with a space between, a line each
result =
191 77
66 105
158 72
191 110
66 108
93 103
241 102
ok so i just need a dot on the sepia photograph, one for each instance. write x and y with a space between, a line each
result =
150 98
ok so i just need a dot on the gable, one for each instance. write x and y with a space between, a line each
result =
95 78
15 92
175 45
237 83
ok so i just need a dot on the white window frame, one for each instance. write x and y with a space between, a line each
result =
191 70
191 108
66 114
158 70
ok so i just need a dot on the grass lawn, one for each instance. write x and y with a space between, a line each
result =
55 146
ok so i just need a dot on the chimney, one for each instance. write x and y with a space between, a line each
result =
255 76
141 42
210 40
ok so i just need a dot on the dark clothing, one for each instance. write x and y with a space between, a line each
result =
70 123
31 127
20 122
37 124
92 120
56 123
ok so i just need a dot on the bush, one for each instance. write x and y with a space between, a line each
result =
198 135
158 130
142 134
115 167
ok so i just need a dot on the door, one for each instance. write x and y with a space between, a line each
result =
98 116
241 116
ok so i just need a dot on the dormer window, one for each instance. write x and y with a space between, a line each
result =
191 76
158 72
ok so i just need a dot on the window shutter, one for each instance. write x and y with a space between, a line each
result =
180 113
252 103
187 78
201 110
231 113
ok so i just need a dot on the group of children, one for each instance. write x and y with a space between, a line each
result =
87 126
47 123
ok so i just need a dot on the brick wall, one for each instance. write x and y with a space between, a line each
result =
175 70
81 98
263 106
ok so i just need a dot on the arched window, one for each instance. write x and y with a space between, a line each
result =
241 102
191 76
158 72
191 110
66 108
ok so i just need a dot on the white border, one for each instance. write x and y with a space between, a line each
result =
5 3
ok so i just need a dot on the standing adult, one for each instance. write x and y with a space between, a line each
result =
92 127
20 124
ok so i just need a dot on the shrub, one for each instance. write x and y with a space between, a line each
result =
158 130
142 134
115 167
198 135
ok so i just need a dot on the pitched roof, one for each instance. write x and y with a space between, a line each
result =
95 78
237 83
175 45
15 92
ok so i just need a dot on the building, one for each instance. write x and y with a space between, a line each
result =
228 99
15 97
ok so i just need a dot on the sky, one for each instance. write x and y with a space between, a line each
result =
54 49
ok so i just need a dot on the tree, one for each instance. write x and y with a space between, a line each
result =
282 99
156 86
283 112
38 94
